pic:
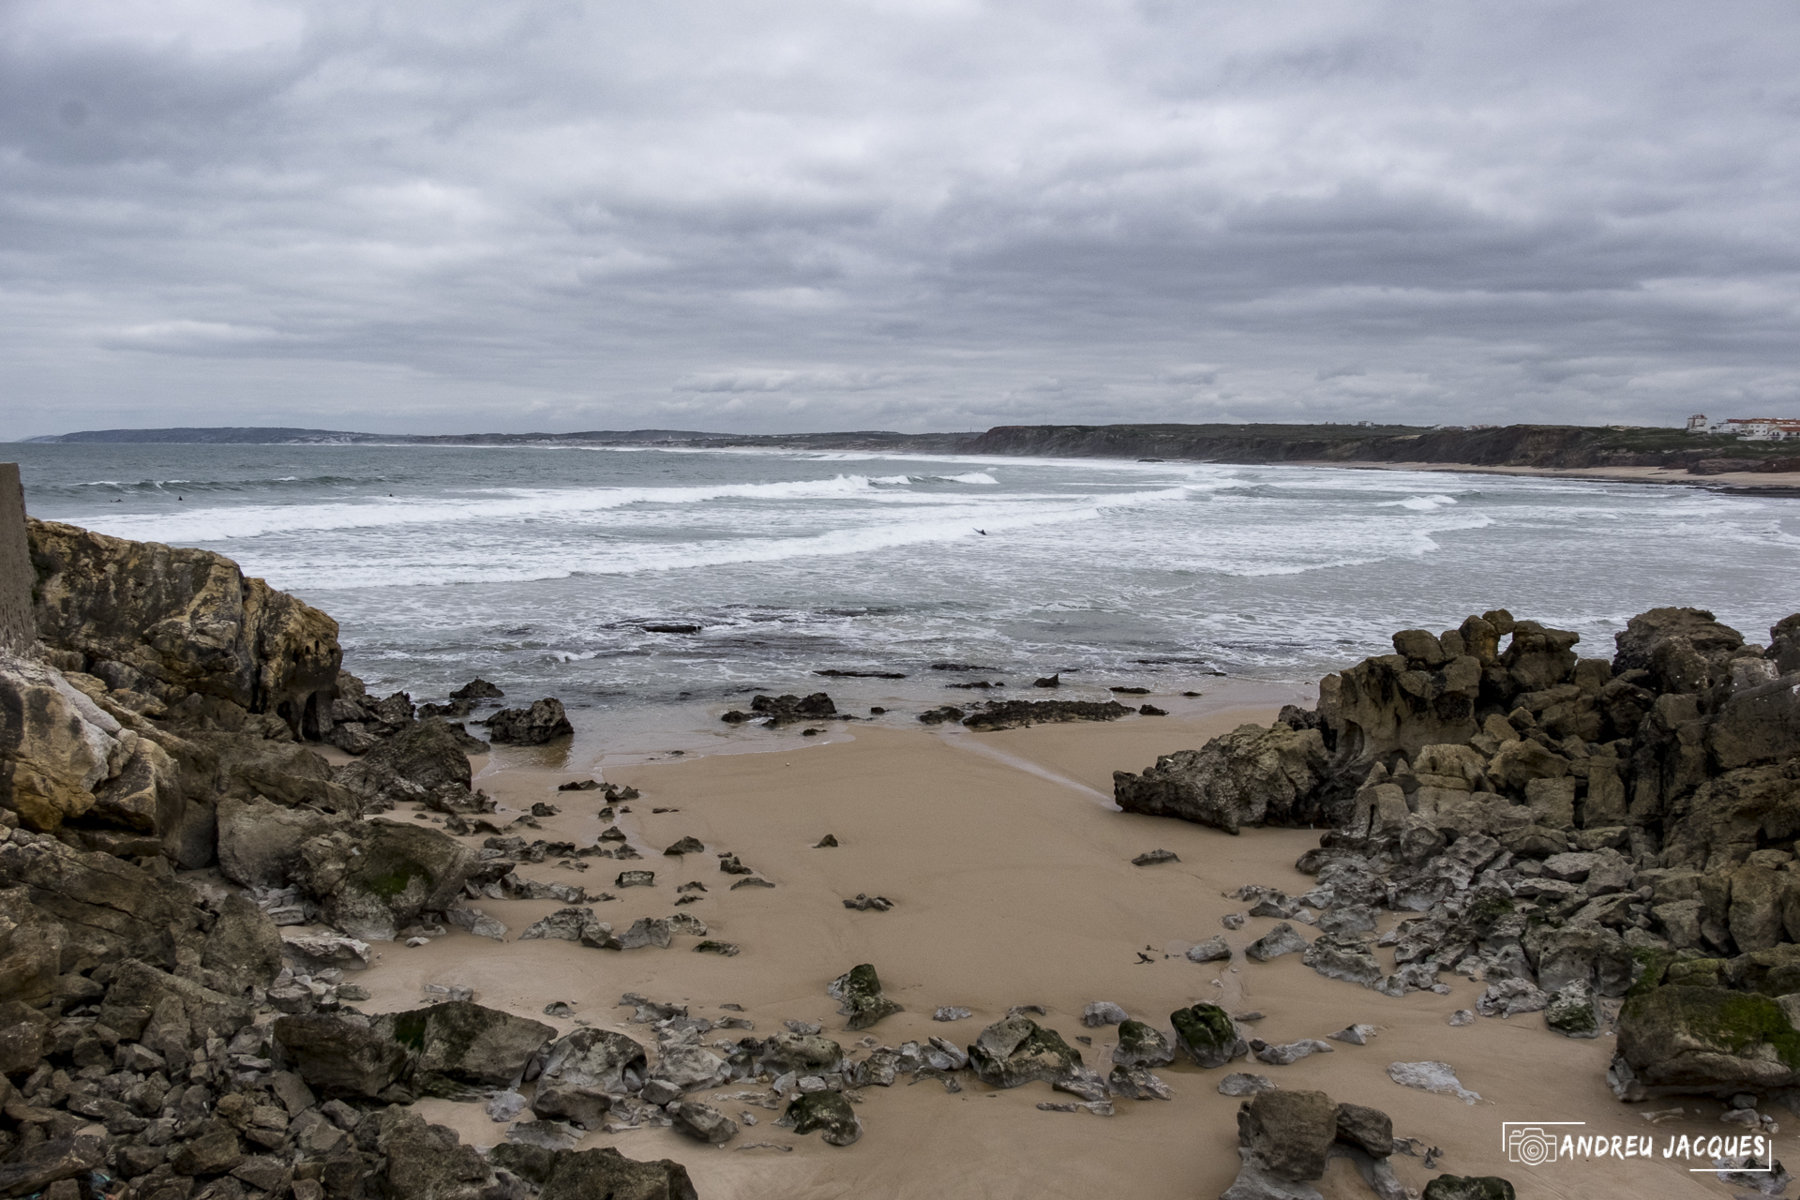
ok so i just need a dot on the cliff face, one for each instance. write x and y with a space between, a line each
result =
1559 447
171 623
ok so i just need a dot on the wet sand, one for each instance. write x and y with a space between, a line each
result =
1012 883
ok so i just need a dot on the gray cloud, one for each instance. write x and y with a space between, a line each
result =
932 214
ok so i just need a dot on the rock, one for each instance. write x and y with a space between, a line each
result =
605 1172
572 924
1141 1045
1103 1012
1355 1035
1288 1053
1278 941
867 903
1289 1133
827 842
800 1054
580 1072
1460 1018
107 908
1213 949
702 1122
1208 1035
1510 997
626 879
1240 1084
1368 1129
646 931
373 878
1573 1011
460 1044
687 845
1151 857
1011 714
952 1012
342 1054
425 763
1018 1051
689 1068
184 622
859 997
22 1038
544 721
1469 1187
477 689
1048 681
259 842
48 1162
477 922
1707 1041
1256 1182
1343 958
1436 1077
243 948
1137 1083
828 1112
31 948
1251 776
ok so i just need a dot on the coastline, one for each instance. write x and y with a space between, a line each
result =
1783 484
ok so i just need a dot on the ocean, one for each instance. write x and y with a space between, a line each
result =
539 567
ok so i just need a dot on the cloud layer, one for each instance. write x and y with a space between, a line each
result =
911 214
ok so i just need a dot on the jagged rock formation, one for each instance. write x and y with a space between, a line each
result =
1569 829
175 623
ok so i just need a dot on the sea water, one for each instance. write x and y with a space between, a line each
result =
539 567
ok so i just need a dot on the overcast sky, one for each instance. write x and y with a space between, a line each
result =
902 214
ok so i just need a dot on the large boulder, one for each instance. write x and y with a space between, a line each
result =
31 948
427 1162
828 1113
424 763
343 1054
1208 1035
1683 649
1250 776
1289 1133
182 621
461 1045
582 1072
605 1172
107 907
243 948
1018 1051
1679 1039
64 758
259 842
374 878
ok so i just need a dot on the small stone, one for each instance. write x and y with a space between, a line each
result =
826 842
1278 941
1213 949
751 881
1233 920
635 879
1103 1012
1151 857
1240 1083
1461 1017
952 1012
1355 1035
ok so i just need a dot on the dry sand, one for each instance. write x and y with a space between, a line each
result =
1013 884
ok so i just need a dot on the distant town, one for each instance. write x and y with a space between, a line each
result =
1754 429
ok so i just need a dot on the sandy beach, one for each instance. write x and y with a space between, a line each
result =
1012 883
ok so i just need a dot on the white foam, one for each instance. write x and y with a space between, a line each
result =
1420 503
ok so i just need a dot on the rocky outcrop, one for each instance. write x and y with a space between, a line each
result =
1567 829
1251 776
1018 1050
173 623
543 721
373 878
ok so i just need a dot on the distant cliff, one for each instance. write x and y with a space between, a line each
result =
1557 447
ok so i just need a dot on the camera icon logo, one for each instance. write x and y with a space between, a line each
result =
1529 1144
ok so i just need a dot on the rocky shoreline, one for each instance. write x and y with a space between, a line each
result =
188 887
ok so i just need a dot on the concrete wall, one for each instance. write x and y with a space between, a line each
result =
18 628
